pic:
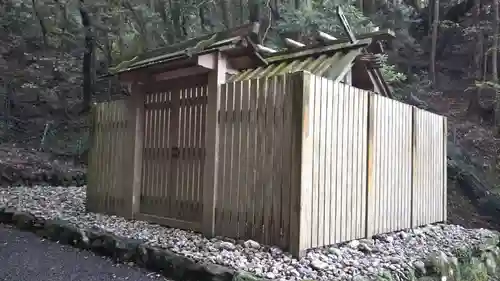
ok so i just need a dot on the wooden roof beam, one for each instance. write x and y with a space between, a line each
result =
265 49
325 37
290 43
383 34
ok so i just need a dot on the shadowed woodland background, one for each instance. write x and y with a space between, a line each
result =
444 59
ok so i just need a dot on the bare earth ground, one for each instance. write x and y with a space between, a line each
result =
479 142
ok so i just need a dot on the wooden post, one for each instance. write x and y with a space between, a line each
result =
133 167
445 169
301 159
216 77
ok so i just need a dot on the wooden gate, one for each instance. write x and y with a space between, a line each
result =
172 172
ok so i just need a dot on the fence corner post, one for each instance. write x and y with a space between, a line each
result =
133 167
216 77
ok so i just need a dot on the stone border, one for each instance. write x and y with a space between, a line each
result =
120 249
44 178
468 264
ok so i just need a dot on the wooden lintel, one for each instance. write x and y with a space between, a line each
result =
130 77
199 80
293 44
183 72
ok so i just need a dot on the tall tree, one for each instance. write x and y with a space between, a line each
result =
435 25
494 57
89 58
494 63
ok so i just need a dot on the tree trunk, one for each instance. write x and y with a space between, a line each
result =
43 27
435 24
175 14
141 24
494 64
474 107
494 57
89 71
226 16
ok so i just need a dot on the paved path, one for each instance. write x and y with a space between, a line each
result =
26 257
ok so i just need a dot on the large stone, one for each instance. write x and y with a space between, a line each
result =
126 249
65 233
6 215
209 272
102 243
245 276
172 265
23 220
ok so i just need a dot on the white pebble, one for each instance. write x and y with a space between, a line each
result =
364 257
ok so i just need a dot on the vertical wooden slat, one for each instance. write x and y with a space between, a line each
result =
267 176
197 154
174 153
355 148
363 142
172 135
162 152
223 124
121 166
245 197
289 97
181 163
341 169
99 151
98 156
145 205
237 155
328 138
107 153
335 170
252 159
190 154
315 130
156 168
260 159
229 207
277 168
203 155
444 168
323 132
235 159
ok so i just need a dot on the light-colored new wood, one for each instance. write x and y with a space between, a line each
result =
429 168
212 139
292 160
390 185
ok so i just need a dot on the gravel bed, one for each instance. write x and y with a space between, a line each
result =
366 257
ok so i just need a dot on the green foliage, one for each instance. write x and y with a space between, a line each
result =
390 73
323 16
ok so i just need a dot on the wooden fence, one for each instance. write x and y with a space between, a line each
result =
300 162
108 158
